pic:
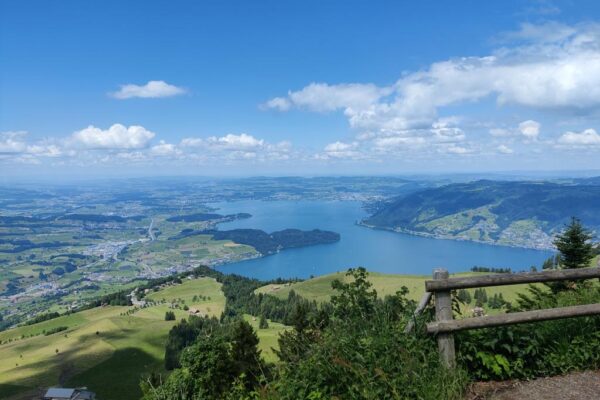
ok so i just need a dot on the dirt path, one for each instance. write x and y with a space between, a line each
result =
574 386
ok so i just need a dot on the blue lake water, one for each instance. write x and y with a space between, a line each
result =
376 250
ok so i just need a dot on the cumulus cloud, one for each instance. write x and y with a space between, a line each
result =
504 149
15 144
242 141
233 147
322 97
550 67
12 142
588 137
530 129
152 89
340 150
164 149
277 103
116 137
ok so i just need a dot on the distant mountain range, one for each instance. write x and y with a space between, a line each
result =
522 213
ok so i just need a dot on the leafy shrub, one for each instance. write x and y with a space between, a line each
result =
55 330
363 353
536 349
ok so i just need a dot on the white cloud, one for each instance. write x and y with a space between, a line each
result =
340 150
192 142
530 129
232 147
322 97
116 137
588 137
277 103
453 149
549 68
504 149
501 132
242 141
12 142
15 144
164 149
152 89
45 150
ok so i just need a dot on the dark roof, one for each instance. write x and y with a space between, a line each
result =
59 393
70 394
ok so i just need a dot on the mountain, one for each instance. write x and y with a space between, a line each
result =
525 213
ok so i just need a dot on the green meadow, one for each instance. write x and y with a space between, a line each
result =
108 348
319 288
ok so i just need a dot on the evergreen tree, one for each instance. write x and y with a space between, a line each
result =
464 296
574 245
169 316
263 324
245 353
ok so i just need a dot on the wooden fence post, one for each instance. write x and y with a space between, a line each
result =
443 312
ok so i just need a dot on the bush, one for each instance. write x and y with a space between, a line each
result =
353 348
364 354
536 349
55 330
169 316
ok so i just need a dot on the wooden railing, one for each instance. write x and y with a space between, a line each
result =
444 324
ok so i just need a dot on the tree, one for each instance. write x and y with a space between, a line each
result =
574 245
355 299
263 324
245 353
169 316
464 296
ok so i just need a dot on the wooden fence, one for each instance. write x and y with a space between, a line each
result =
444 324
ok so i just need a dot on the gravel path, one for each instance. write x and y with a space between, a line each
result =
574 386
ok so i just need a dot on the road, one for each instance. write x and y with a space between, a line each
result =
150 233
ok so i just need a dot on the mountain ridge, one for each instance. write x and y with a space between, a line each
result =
522 214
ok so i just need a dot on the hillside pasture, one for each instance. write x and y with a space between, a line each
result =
106 349
319 288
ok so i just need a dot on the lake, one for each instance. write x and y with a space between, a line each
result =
376 250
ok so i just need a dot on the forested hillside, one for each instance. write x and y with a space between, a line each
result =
523 214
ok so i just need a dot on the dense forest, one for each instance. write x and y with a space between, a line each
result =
264 242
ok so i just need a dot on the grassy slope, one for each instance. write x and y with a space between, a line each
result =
268 337
319 288
112 361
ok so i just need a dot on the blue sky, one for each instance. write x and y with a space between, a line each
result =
297 87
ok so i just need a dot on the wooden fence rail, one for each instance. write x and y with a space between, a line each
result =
444 323
510 279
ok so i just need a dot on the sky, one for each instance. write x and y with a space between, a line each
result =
239 88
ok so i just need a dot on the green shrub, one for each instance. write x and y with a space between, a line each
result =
536 349
364 354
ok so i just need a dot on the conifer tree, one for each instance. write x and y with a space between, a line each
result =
574 246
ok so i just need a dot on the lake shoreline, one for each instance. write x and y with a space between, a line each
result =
444 237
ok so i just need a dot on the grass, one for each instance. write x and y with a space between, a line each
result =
319 288
103 348
185 292
268 337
